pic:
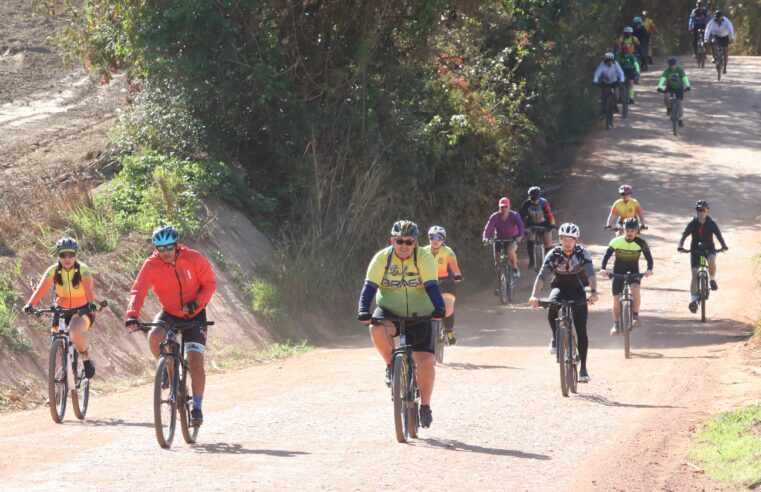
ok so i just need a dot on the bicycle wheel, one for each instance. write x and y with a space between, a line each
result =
413 404
560 336
503 280
609 112
703 296
538 256
573 376
510 275
624 101
165 402
719 62
80 394
439 342
185 405
57 383
399 390
625 311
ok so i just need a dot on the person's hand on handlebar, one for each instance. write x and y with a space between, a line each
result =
364 317
534 301
648 273
681 249
725 248
485 241
132 323
438 314
593 297
28 309
457 277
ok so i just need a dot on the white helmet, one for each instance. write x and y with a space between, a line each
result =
569 229
437 231
628 30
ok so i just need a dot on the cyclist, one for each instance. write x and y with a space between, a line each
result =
701 229
643 36
608 73
628 43
569 267
536 212
699 18
505 224
449 274
404 281
184 282
720 31
652 29
629 64
625 207
627 249
674 80
73 283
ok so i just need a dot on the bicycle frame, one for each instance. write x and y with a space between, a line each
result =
567 349
625 306
539 248
505 275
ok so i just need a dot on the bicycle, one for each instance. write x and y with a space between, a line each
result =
625 300
171 389
567 349
610 104
65 373
539 233
703 277
624 90
701 51
404 389
441 340
720 62
505 271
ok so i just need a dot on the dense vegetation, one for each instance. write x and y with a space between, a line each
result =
344 115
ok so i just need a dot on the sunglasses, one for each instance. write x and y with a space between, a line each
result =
702 209
168 247
408 242
436 238
67 255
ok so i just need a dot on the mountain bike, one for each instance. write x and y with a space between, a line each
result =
625 301
65 371
172 385
610 104
625 97
404 389
441 340
720 62
703 277
701 51
567 349
539 233
505 272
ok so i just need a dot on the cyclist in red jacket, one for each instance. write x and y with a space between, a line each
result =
183 281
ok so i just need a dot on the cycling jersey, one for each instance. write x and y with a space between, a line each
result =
642 34
719 29
674 80
401 284
567 272
68 295
608 74
627 44
538 214
190 278
446 261
508 228
626 210
649 25
628 62
702 233
627 254
698 19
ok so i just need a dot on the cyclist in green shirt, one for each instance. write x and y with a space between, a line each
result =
674 80
630 66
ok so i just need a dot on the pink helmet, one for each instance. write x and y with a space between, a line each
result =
504 202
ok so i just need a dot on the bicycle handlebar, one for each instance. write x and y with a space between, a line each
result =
627 276
491 241
563 302
412 319
174 325
65 312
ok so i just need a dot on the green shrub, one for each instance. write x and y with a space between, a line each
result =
93 227
266 300
13 338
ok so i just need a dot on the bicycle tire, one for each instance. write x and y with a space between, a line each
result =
608 113
560 336
503 282
57 382
510 283
625 310
674 117
538 256
439 342
80 395
703 296
399 391
573 376
185 405
165 403
719 63
413 405
624 101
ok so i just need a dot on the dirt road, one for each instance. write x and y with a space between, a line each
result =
324 421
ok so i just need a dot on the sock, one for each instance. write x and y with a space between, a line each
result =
694 298
713 278
449 322
197 400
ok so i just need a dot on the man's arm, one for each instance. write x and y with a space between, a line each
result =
608 253
718 235
687 232
139 291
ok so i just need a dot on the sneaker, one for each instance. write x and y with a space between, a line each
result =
584 376
387 379
725 70
681 123
553 346
516 272
451 339
635 321
496 292
668 111
426 418
693 307
615 330
714 285
196 417
89 369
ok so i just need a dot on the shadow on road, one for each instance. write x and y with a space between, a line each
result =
116 422
656 355
226 448
469 366
612 403
454 445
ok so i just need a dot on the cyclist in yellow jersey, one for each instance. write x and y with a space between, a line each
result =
449 274
404 281
74 290
626 208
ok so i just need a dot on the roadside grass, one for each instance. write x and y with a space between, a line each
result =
235 357
729 446
10 336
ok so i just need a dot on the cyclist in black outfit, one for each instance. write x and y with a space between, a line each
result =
701 229
569 267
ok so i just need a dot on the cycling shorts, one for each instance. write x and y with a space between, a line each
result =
679 92
419 335
722 41
447 286
89 319
194 334
618 284
630 74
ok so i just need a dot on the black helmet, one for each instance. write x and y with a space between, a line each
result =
701 204
405 228
672 60
718 13
631 223
534 192
66 244
164 235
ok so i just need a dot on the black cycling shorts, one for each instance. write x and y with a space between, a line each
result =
679 93
722 41
618 284
447 286
419 335
630 74
67 318
194 334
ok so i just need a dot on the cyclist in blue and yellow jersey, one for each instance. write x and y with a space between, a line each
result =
628 43
449 274
73 283
674 80
626 207
627 248
403 278
649 24
630 66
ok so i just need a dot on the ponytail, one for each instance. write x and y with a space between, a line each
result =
58 279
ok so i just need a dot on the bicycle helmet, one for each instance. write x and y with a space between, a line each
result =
504 202
718 13
437 231
701 204
66 243
405 228
637 20
631 223
164 235
672 61
699 3
569 229
625 190
628 30
609 56
644 13
534 192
